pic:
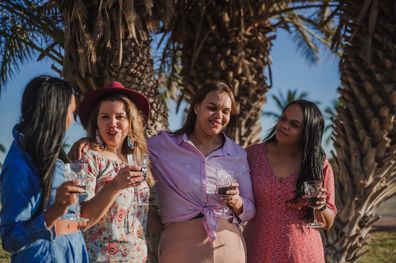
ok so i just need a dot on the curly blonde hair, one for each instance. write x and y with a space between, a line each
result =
136 131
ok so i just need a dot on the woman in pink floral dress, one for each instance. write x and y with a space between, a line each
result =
112 117
289 156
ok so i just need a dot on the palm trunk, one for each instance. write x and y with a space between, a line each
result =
109 41
227 43
365 135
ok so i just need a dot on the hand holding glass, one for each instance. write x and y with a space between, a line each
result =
312 190
132 160
224 180
78 172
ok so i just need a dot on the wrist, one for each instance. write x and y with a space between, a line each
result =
321 209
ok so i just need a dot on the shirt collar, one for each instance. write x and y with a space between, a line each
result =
227 149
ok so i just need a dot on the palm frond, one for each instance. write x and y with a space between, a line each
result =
28 28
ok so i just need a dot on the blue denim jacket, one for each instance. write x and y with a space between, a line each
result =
23 231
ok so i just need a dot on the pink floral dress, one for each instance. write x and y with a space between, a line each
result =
277 233
114 238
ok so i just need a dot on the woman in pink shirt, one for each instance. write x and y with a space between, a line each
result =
199 225
280 166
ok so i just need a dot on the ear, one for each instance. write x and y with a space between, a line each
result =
196 108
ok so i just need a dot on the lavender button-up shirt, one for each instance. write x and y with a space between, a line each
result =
186 179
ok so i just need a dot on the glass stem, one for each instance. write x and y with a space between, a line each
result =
77 210
314 215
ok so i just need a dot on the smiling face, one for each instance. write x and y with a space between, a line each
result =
113 123
213 113
289 128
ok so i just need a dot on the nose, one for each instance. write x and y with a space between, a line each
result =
113 122
284 124
219 114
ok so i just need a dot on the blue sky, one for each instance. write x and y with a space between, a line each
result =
289 70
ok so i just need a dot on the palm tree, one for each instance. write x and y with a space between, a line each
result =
330 114
231 41
90 42
281 101
364 130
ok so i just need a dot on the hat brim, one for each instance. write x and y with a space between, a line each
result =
92 97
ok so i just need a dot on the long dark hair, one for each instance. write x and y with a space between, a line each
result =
44 108
201 94
311 146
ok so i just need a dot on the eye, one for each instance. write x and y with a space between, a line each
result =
227 111
212 108
295 125
121 117
282 118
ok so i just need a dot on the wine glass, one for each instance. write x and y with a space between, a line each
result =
132 160
224 180
311 190
76 171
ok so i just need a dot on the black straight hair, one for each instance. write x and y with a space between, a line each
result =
45 102
313 154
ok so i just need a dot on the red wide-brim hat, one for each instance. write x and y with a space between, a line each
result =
91 98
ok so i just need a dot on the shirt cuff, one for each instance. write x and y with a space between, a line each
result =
41 230
248 211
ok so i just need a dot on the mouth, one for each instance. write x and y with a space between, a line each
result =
216 123
112 133
279 131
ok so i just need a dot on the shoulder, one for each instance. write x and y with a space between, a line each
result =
163 138
231 145
254 148
327 169
158 138
17 172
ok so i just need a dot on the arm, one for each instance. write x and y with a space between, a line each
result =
327 215
99 203
242 200
20 199
78 148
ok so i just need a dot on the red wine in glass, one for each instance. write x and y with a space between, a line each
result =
222 191
312 201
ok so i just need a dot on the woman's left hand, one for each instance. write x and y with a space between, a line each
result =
322 197
233 199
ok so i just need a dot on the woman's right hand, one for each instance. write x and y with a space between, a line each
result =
128 176
66 194
78 148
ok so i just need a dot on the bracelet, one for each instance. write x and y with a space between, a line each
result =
322 208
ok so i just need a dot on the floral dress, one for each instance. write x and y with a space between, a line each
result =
114 238
277 233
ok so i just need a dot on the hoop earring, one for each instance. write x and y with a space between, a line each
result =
131 142
99 140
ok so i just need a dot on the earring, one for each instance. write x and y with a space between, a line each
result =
131 142
99 140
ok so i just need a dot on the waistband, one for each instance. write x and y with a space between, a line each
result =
66 226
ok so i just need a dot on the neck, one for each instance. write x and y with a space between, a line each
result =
202 139
114 150
288 149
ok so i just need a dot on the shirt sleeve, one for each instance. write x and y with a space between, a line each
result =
328 177
246 192
19 226
93 171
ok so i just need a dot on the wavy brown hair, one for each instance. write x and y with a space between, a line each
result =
136 131
201 94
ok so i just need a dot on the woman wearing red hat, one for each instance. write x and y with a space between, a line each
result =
114 118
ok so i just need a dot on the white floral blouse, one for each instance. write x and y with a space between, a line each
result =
115 237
